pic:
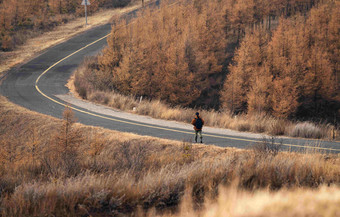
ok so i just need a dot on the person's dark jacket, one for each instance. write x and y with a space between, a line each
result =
193 122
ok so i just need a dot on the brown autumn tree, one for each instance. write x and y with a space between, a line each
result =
284 97
333 43
259 97
170 54
300 60
324 24
319 80
208 46
111 59
247 61
67 142
242 15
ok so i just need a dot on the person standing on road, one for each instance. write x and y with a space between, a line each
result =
198 123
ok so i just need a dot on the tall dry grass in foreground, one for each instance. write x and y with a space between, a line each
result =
113 173
298 202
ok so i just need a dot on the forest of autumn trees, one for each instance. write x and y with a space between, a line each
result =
295 72
168 55
244 56
20 19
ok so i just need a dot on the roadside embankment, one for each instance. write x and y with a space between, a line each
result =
51 166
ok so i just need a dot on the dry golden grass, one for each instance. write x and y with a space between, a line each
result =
36 45
297 202
118 173
257 123
123 174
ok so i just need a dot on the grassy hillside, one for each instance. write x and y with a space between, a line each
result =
254 63
57 167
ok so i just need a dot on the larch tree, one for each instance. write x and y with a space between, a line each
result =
284 97
211 49
319 81
237 85
334 44
67 142
144 73
259 97
240 14
111 58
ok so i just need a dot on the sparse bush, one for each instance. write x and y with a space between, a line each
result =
259 128
333 132
80 86
122 102
131 155
188 153
258 122
67 142
96 148
99 97
306 130
267 147
7 43
278 127
243 126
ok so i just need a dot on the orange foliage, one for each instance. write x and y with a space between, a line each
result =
295 73
177 53
167 55
259 97
243 73
284 97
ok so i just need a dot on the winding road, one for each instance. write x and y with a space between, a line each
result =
36 85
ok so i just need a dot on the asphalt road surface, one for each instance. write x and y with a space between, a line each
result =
35 85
